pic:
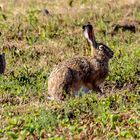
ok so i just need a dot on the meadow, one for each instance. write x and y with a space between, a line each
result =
34 41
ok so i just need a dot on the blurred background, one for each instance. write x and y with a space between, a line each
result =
35 35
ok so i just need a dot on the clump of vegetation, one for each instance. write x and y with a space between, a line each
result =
33 42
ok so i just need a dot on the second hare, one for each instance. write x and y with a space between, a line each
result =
86 73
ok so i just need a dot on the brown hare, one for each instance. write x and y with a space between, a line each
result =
2 63
86 73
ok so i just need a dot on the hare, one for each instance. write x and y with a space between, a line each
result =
2 63
70 76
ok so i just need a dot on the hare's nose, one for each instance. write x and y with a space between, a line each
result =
112 54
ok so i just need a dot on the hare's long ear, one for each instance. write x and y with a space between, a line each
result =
89 35
88 29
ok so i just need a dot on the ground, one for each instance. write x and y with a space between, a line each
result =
34 40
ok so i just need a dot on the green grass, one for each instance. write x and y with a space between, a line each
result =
33 43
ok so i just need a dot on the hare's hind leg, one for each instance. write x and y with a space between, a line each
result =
59 84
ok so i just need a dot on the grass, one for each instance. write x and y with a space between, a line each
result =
33 43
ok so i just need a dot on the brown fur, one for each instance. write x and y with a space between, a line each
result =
68 77
2 63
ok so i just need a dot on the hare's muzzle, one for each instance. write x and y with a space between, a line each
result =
111 54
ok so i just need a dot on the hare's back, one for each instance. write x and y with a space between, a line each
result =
75 64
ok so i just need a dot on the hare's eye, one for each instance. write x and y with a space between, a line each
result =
101 47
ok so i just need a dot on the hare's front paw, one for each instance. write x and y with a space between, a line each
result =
98 89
